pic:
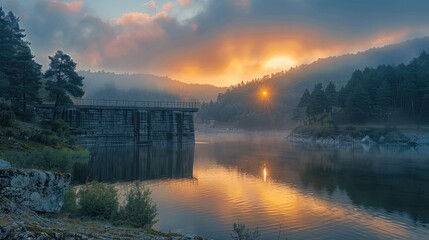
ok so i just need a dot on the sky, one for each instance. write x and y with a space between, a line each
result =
220 42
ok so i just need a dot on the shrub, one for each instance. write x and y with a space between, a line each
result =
4 105
47 159
241 232
139 209
98 200
7 118
14 157
46 137
50 160
58 125
70 201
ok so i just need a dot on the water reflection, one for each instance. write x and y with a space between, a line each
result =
265 173
394 181
265 182
130 163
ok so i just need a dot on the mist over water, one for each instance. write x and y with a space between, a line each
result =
261 180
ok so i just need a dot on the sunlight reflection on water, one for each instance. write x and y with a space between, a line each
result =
300 192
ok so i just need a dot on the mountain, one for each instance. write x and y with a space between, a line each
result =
242 105
339 69
144 87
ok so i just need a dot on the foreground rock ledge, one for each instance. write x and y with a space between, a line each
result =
40 191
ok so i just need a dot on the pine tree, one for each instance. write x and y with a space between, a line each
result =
305 99
331 95
21 74
6 53
63 80
383 101
358 105
318 102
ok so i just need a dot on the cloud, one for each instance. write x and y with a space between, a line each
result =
184 2
134 18
167 6
67 6
217 41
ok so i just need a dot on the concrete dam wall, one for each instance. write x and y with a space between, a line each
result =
122 122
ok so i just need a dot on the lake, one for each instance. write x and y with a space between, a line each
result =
285 190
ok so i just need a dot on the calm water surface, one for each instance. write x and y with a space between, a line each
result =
283 189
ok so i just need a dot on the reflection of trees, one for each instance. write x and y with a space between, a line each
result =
129 163
394 181
395 184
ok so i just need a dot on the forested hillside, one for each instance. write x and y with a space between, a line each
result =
242 104
386 94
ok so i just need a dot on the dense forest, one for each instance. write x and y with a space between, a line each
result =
386 94
242 106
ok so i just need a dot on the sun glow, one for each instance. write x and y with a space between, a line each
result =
280 63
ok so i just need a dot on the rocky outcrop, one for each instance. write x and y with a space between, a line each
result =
4 164
40 191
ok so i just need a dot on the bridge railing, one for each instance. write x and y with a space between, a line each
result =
143 104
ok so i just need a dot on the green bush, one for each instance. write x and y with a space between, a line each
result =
46 137
139 209
47 159
7 118
98 200
51 160
14 157
4 105
58 125
70 201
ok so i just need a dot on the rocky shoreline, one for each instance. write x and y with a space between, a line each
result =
25 224
403 138
31 199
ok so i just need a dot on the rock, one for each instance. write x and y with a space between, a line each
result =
366 139
4 164
39 191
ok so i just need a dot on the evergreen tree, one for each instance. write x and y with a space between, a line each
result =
331 95
358 105
24 73
6 53
20 73
383 101
424 112
318 101
305 99
62 80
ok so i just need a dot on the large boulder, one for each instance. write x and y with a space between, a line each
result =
4 164
40 191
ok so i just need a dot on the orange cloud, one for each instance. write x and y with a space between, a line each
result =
72 7
167 6
134 18
196 52
184 2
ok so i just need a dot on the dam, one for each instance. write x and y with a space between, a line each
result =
112 122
